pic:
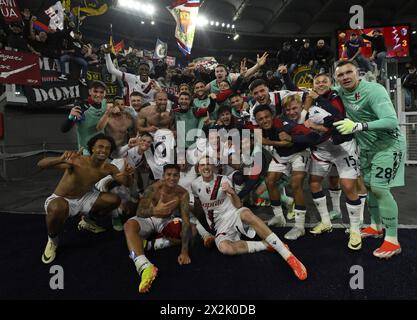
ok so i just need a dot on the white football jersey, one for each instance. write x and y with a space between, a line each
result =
216 203
317 114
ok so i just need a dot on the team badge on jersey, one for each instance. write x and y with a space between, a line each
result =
357 96
208 190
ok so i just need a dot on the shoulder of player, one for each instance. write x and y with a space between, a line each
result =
180 191
197 181
110 167
222 177
372 88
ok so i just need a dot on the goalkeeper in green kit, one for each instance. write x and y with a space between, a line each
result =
373 120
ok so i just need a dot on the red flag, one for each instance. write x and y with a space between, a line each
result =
119 46
20 68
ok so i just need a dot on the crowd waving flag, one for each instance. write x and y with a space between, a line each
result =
185 13
161 49
90 7
56 14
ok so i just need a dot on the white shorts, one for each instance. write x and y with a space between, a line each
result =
295 162
301 161
152 225
81 205
275 166
232 227
344 156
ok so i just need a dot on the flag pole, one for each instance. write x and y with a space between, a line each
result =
111 38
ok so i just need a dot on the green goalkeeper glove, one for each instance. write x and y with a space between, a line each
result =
347 126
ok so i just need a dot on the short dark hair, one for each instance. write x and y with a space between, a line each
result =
226 82
257 83
223 66
185 94
171 166
98 84
235 95
136 94
261 107
325 74
342 63
144 63
101 136
118 98
223 109
198 81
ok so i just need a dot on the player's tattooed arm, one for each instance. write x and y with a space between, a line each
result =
145 207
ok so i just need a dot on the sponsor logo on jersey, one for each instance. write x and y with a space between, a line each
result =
214 203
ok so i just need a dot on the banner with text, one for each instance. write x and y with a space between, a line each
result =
19 68
10 11
57 93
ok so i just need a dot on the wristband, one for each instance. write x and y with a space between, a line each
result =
72 117
365 126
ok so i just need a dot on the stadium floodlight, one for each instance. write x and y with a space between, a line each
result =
202 21
233 26
212 23
142 22
152 22
236 36
217 23
228 25
223 24
148 9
